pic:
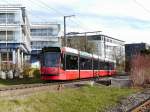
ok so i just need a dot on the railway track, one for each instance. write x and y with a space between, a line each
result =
22 86
143 107
25 89
25 86
19 91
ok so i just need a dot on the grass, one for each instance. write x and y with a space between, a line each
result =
85 99
8 82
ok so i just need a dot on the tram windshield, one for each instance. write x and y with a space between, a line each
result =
51 59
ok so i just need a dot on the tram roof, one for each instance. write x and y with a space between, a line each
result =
85 54
82 53
70 50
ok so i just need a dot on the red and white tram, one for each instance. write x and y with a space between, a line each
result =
68 64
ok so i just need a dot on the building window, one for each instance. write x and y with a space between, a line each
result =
42 32
2 35
11 18
6 56
2 18
10 36
107 40
7 18
111 40
102 37
40 44
96 45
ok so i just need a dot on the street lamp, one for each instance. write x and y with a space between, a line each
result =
65 42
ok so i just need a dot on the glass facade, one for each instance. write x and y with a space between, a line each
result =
44 35
14 37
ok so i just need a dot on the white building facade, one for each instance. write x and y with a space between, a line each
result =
43 35
104 46
108 47
14 36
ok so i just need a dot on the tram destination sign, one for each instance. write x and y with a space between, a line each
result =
51 49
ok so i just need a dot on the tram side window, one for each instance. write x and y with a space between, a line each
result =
111 65
62 61
85 64
101 67
41 60
71 62
95 64
104 65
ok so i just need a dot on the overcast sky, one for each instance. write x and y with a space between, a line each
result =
128 20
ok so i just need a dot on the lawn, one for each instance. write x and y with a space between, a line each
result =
84 99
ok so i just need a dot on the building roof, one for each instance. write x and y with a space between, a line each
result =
43 23
137 43
79 35
11 6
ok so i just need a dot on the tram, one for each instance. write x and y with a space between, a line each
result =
69 64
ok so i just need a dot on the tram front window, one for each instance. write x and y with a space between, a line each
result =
51 59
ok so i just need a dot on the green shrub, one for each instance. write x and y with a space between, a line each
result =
31 72
36 73
26 72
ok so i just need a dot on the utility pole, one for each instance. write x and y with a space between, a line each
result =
65 42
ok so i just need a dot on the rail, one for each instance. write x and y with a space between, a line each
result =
143 107
25 86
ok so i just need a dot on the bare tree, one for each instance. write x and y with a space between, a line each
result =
119 56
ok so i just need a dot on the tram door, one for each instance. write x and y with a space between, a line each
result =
71 69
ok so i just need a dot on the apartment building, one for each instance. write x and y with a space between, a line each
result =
43 35
14 37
